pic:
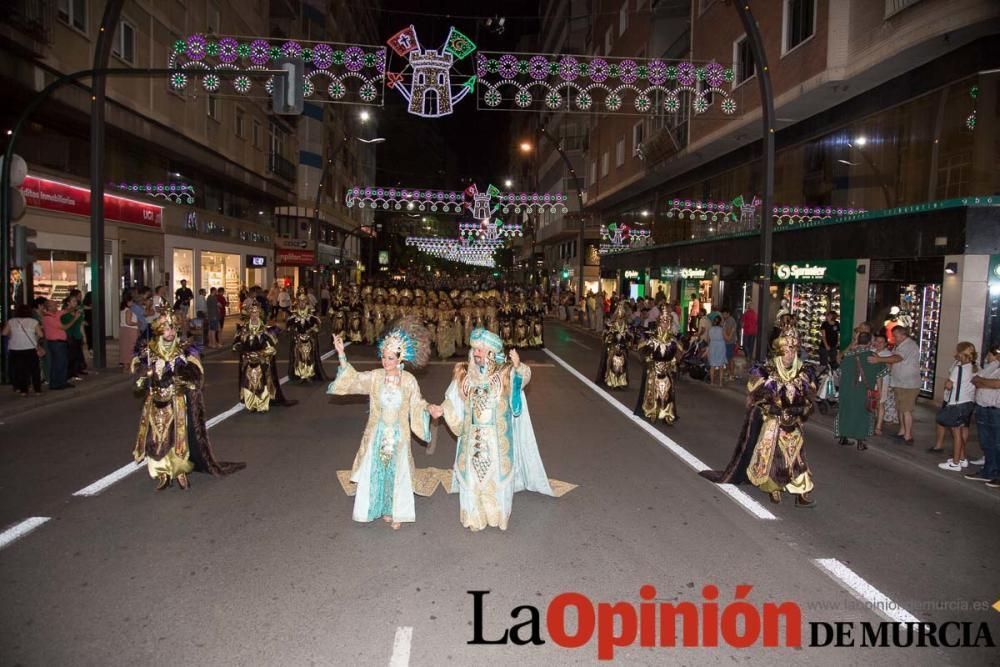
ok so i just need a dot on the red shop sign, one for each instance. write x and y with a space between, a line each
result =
56 196
295 257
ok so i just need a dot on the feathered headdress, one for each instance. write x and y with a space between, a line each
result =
165 318
487 340
409 340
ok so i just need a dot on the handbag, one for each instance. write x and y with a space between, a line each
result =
872 396
39 350
953 415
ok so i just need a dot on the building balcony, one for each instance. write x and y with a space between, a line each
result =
280 167
28 23
568 227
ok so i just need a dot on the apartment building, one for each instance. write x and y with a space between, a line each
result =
887 107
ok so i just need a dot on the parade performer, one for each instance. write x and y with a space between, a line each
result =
497 453
304 362
661 352
536 336
173 438
859 382
257 344
383 467
338 312
446 325
769 453
618 338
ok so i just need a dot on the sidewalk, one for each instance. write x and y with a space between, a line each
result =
924 426
96 381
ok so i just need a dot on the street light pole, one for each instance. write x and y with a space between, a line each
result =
767 166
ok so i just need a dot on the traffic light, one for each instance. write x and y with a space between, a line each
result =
288 91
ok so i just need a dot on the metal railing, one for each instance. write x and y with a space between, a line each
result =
32 17
280 166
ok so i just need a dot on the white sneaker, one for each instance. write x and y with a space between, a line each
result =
978 462
949 465
965 463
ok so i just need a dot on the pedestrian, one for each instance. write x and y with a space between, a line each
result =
858 407
284 304
704 323
652 315
324 300
729 332
38 313
201 313
141 309
716 351
905 378
243 293
183 298
220 296
212 317
694 311
72 320
749 323
601 306
829 341
55 334
887 400
24 334
383 468
88 319
591 311
159 302
128 332
959 403
987 383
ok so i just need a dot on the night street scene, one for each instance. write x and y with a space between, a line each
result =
566 332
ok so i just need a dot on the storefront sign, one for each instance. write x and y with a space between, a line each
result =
294 244
794 272
684 273
383 258
256 261
631 275
55 196
295 257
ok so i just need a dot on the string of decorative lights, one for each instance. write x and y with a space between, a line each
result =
178 193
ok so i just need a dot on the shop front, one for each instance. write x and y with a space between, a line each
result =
694 288
59 213
254 273
295 261
205 264
633 284
991 332
808 290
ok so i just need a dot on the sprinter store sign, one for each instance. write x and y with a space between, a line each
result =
796 273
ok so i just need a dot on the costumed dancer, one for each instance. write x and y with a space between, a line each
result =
536 337
618 338
338 313
661 352
769 453
505 320
304 362
445 329
383 467
257 344
855 417
173 438
497 453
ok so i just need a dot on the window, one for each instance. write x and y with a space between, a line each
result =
241 123
743 63
593 172
124 42
638 136
604 164
620 152
74 13
608 40
800 22
258 135
276 139
623 19
212 107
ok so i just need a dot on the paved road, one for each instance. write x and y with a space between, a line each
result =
267 568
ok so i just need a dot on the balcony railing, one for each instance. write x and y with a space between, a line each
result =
280 167
33 18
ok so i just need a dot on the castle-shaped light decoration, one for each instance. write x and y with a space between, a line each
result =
621 237
425 82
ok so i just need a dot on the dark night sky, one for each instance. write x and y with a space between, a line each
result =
469 143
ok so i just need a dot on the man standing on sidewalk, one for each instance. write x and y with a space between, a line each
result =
987 383
830 343
904 378
749 322
55 335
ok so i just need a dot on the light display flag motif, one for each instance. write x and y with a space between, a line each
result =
458 44
405 41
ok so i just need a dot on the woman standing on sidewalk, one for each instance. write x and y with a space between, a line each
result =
24 334
716 351
128 332
959 403
855 418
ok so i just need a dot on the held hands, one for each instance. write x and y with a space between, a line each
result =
515 358
435 410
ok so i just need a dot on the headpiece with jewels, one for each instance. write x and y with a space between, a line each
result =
166 318
485 339
409 340
787 339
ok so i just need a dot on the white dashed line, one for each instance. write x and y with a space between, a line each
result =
873 598
20 529
401 647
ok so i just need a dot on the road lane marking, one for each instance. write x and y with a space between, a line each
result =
401 647
874 599
129 468
741 497
20 529
574 340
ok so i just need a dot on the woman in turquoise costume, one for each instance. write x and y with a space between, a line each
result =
383 468
497 453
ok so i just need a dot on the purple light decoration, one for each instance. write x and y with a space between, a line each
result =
715 74
228 50
538 68
687 74
567 68
354 59
481 63
260 52
196 45
628 71
507 66
291 49
598 70
657 72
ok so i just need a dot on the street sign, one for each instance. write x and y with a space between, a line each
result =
288 91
